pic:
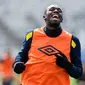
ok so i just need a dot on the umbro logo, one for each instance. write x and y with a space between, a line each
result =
48 50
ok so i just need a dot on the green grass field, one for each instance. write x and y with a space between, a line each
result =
73 81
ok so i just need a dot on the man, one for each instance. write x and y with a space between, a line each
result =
6 63
49 54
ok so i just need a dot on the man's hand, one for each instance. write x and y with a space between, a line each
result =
19 67
62 61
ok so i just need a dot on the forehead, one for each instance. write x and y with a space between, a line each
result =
53 6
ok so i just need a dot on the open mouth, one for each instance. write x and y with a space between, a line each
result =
55 16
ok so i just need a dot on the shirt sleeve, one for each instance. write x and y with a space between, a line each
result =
22 56
75 55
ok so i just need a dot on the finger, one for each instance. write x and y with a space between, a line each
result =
58 55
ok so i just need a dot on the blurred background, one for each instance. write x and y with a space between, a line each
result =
17 16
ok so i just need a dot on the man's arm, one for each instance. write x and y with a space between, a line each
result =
22 57
76 70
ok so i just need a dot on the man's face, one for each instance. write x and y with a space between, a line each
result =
53 15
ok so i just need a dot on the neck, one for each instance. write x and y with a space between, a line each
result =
53 25
52 32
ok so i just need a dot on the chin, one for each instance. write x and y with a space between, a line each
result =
57 21
54 23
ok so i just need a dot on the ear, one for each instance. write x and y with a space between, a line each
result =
44 17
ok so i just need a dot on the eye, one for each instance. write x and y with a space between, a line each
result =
52 9
59 10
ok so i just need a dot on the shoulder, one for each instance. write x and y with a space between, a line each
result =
68 34
75 38
29 34
29 30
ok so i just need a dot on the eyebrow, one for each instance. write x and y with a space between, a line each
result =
55 8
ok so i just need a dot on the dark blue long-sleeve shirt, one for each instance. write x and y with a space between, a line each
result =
75 52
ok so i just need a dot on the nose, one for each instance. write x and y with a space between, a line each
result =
56 11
